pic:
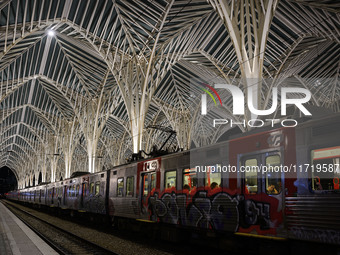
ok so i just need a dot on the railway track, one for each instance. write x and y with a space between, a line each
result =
61 240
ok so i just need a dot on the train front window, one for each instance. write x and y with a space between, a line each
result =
189 179
120 187
273 177
325 169
251 176
170 179
213 177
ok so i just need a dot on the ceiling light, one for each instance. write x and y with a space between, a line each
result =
50 32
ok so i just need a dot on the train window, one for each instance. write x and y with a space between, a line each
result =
77 190
129 186
74 190
326 169
213 177
170 179
91 188
120 187
273 179
251 176
189 179
97 188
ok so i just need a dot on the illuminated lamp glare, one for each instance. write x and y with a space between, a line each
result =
50 32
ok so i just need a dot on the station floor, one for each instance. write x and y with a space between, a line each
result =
16 238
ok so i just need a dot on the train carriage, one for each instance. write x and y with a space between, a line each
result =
191 190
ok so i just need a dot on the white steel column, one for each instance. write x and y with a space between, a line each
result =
248 23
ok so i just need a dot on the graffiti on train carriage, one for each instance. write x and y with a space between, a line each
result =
220 211
95 204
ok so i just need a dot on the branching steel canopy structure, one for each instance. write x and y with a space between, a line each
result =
81 79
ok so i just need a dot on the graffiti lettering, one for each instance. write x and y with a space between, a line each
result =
220 211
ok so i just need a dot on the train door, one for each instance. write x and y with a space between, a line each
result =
148 185
53 193
83 190
65 194
262 174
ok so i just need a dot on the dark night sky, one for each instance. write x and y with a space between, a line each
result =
7 180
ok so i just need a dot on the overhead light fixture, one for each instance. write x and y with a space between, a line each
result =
51 32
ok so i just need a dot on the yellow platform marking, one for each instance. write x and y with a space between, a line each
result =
148 221
261 236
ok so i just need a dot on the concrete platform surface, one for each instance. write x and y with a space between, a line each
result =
17 239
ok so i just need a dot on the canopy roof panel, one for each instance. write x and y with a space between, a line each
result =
64 62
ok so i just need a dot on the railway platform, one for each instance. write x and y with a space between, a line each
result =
17 239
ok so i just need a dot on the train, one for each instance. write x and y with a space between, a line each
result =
280 183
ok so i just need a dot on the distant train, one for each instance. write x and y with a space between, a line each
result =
278 183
